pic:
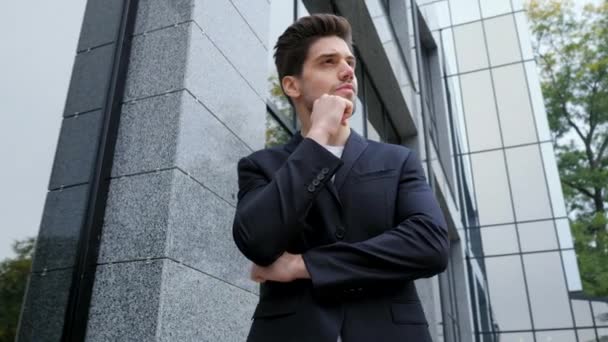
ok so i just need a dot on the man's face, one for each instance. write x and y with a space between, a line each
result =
329 68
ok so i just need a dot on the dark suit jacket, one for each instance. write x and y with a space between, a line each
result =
363 238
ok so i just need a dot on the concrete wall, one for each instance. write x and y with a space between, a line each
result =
193 105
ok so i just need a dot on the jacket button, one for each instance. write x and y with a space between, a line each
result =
320 176
311 188
340 233
315 182
325 170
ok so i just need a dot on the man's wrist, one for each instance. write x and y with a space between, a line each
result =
301 270
319 135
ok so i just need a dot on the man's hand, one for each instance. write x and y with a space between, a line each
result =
329 112
288 267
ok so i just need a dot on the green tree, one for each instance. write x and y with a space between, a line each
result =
571 50
13 280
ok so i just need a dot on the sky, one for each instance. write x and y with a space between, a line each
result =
38 42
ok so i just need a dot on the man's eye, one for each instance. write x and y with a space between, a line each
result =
329 61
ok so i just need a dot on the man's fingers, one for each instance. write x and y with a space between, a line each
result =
349 107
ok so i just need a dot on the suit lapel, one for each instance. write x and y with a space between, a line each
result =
355 145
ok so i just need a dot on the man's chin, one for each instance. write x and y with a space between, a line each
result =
350 97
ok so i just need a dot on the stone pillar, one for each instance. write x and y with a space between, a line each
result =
194 103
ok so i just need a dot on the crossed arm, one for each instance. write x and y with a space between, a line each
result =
269 213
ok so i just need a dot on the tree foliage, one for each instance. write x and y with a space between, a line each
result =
13 280
275 133
571 50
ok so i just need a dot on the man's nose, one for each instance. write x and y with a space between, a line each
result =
347 71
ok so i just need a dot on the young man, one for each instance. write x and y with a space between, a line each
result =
338 227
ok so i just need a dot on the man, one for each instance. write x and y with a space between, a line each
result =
337 226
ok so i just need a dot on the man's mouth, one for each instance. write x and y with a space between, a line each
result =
346 87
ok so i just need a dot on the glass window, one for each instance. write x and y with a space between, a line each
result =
518 5
547 289
464 11
563 233
537 236
457 113
374 112
372 133
374 7
449 52
553 180
499 240
586 335
491 187
572 273
437 15
383 28
514 109
602 333
281 16
521 21
528 183
470 47
516 337
356 121
503 44
491 8
600 312
582 313
556 336
538 104
394 56
276 134
507 293
480 111
302 11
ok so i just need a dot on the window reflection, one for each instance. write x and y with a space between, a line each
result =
586 335
550 306
499 240
556 336
276 134
514 109
507 293
480 111
490 8
528 184
572 273
470 47
537 236
501 37
492 188
464 11
582 313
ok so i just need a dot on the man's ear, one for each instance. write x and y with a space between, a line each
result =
291 86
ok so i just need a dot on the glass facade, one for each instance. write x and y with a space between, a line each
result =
466 73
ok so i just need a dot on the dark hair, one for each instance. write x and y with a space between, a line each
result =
292 46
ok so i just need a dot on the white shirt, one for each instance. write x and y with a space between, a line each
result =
336 151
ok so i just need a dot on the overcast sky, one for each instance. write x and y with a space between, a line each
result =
38 45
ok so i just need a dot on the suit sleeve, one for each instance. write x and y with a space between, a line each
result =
416 248
270 212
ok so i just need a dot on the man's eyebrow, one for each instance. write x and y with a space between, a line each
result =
334 54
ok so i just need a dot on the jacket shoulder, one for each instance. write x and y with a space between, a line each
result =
269 154
398 151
